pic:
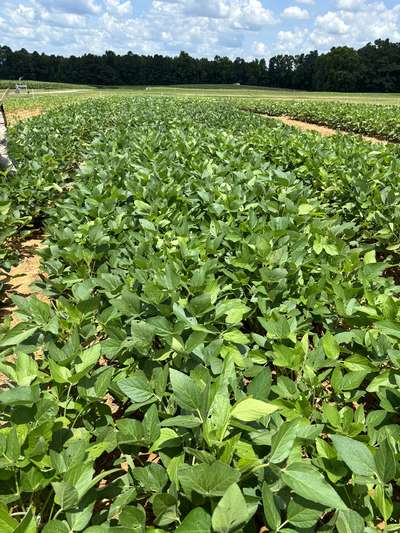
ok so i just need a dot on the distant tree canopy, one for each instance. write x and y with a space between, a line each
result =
375 67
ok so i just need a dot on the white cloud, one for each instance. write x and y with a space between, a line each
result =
296 12
291 42
332 23
119 7
260 49
80 7
206 8
350 5
245 28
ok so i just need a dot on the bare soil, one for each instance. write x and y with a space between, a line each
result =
322 130
21 277
23 114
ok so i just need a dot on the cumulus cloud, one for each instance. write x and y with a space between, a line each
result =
296 12
332 23
246 28
260 49
350 5
354 26
79 7
291 42
119 7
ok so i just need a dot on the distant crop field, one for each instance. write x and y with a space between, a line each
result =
219 91
10 84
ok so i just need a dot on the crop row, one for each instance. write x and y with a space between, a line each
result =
222 348
382 121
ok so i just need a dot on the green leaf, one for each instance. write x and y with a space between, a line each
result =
385 460
19 396
17 335
186 391
28 524
349 522
208 479
236 336
89 358
392 329
7 523
308 482
151 425
303 514
137 388
250 410
233 309
271 513
55 526
331 346
197 521
282 441
66 495
231 511
355 454
276 329
370 257
188 421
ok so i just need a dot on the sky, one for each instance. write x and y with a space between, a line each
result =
204 28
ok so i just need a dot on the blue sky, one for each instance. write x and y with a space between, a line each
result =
245 28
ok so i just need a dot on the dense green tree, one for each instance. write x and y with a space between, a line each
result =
375 67
339 70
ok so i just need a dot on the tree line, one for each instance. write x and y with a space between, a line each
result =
373 68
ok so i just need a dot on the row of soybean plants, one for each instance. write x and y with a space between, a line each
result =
382 121
222 348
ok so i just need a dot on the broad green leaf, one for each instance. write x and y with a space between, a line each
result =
331 346
56 526
355 454
7 523
386 463
303 514
137 388
271 512
19 396
208 479
349 521
17 335
306 481
236 336
27 524
282 441
250 410
189 421
66 495
231 511
186 391
234 310
197 521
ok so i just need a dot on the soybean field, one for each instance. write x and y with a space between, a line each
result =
217 348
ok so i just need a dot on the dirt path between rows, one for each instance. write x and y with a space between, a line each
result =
322 130
23 114
18 281
20 278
